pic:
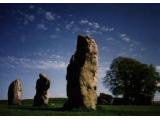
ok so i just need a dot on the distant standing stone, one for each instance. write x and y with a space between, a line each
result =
14 93
42 86
82 75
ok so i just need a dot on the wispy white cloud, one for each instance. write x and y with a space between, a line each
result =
123 53
40 10
43 64
50 16
69 25
107 29
132 45
28 18
125 38
83 21
42 27
48 64
31 6
131 49
110 39
122 35
94 25
103 68
91 27
142 49
70 15
53 36
102 71
57 29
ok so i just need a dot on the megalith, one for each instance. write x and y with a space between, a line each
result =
14 93
82 75
42 86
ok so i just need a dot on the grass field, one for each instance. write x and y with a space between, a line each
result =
53 109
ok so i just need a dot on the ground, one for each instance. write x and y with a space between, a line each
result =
53 109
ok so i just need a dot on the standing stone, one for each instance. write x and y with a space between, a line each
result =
42 86
82 75
14 93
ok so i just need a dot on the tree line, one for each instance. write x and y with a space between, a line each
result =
135 81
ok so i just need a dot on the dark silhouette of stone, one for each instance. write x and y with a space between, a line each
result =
105 99
42 86
14 93
82 75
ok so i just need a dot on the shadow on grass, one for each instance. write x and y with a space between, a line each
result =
40 108
46 108
50 108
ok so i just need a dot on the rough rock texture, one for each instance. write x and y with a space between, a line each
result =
42 86
82 75
14 93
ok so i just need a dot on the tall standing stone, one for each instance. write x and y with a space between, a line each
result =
14 93
82 75
42 86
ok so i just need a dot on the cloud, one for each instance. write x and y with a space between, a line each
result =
70 15
57 29
110 39
50 16
132 45
40 10
28 18
142 49
107 29
48 64
69 25
83 22
31 6
102 71
42 27
43 64
124 53
131 49
158 68
125 38
53 36
103 68
94 25
123 35
91 27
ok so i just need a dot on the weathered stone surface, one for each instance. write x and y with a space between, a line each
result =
42 86
14 93
82 75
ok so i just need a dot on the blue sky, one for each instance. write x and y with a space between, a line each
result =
40 38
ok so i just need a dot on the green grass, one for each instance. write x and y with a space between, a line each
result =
53 109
